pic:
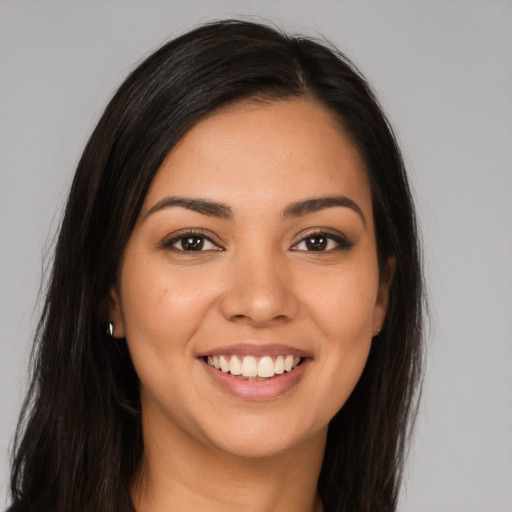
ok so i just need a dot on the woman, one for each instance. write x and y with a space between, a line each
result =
234 314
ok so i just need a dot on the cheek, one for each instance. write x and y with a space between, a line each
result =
160 314
163 307
343 303
342 310
344 320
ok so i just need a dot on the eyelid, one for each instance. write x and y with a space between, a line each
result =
174 237
340 238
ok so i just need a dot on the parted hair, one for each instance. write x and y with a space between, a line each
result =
79 441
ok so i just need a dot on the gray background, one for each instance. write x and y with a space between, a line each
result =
443 71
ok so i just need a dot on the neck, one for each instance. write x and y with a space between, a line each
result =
180 473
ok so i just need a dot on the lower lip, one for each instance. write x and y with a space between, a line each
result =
257 390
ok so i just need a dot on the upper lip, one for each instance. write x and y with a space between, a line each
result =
255 350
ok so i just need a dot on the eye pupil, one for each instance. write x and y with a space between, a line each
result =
192 243
316 243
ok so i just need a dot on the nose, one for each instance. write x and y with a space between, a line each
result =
259 290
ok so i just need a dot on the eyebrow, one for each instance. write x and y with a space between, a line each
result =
204 206
223 211
320 203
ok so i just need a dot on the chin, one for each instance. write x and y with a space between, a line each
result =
263 438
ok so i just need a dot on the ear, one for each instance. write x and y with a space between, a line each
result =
381 304
115 312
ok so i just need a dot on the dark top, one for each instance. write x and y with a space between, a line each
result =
17 508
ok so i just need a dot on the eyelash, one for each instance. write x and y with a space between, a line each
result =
342 243
169 243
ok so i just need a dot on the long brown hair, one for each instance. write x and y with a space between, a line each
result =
79 440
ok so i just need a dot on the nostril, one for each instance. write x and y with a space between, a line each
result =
255 319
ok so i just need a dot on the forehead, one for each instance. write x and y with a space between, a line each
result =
267 154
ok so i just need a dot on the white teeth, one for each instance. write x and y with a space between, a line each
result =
249 367
235 368
279 365
266 367
288 363
253 368
224 364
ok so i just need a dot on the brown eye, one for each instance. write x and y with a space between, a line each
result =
323 242
192 243
316 243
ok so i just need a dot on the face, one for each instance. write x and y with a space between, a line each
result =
249 289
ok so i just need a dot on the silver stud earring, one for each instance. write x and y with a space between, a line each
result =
110 329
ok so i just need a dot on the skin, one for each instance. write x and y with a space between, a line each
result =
256 279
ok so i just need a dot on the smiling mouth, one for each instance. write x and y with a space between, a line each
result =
254 368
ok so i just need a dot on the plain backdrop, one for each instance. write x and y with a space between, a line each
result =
443 71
